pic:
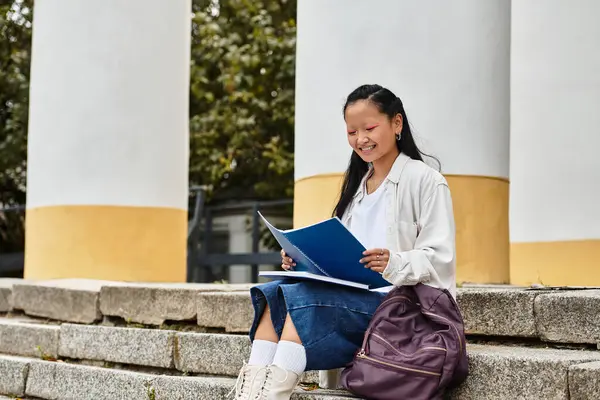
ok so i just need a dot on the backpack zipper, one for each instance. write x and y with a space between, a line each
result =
407 355
362 355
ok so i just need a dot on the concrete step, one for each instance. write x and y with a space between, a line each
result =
560 316
551 316
64 381
86 300
510 372
154 304
6 285
497 372
187 352
29 338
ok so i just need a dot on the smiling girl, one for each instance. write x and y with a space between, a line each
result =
400 209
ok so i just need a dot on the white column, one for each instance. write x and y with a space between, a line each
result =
108 140
449 63
555 116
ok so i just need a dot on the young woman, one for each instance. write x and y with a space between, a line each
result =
400 209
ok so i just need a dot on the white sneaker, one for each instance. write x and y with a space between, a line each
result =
279 385
250 382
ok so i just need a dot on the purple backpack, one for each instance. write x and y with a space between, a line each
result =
414 347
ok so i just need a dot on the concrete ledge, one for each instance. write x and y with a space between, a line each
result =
498 372
217 354
487 311
70 300
100 384
584 381
6 285
26 339
232 311
13 375
205 353
498 312
82 382
555 316
569 316
145 347
188 388
504 372
153 303
67 381
41 380
183 388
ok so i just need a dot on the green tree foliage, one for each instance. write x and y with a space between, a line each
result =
15 49
242 102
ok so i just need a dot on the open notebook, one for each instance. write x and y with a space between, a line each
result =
327 252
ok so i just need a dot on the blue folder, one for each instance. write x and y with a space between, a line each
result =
327 249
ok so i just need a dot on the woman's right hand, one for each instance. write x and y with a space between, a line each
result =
286 262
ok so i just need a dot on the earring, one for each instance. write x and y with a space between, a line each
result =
397 136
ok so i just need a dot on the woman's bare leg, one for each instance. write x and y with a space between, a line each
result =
265 330
289 331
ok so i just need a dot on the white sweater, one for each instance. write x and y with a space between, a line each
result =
420 230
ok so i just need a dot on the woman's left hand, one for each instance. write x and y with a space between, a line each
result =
376 259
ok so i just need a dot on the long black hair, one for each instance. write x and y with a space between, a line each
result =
387 103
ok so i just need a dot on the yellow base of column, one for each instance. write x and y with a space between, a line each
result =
482 237
315 197
106 242
556 263
481 214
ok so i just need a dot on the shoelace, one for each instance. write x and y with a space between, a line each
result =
262 395
240 391
240 379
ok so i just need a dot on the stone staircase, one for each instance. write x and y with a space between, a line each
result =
81 339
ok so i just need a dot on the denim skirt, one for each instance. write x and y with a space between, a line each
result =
331 320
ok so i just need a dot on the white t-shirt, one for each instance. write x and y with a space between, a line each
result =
368 222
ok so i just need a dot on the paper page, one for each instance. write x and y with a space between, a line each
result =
308 276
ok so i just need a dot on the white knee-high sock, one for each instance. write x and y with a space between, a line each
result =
262 353
290 356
